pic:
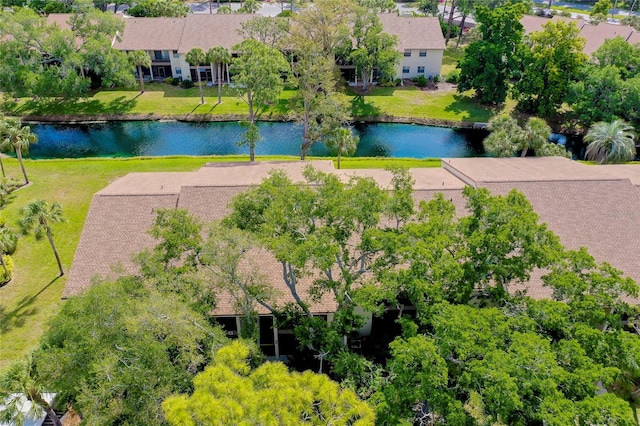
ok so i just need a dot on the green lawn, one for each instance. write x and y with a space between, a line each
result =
161 100
413 103
33 296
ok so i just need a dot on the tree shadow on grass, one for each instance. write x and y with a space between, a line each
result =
16 317
469 109
361 108
53 107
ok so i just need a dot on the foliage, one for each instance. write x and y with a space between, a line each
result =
37 218
266 30
488 64
159 8
196 57
17 138
46 61
507 137
612 142
374 49
258 75
139 59
608 89
7 269
453 77
343 142
119 349
250 6
601 7
620 54
22 380
230 392
308 229
316 82
554 58
429 7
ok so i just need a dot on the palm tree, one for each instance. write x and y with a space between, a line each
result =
218 55
251 6
610 142
20 380
499 143
343 141
18 138
5 145
195 57
37 217
139 59
534 135
8 242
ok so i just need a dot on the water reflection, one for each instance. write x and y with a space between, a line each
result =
152 138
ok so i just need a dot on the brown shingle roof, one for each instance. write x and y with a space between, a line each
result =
207 31
597 34
414 33
151 34
533 23
592 206
115 228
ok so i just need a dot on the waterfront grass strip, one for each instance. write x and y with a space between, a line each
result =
163 101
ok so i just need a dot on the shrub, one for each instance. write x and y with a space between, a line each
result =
187 84
453 77
421 81
285 14
436 78
389 82
4 276
7 186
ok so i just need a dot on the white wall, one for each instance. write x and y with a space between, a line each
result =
432 63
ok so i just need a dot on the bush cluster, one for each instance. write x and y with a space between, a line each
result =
5 276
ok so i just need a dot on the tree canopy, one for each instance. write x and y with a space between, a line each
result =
42 60
117 351
488 64
229 391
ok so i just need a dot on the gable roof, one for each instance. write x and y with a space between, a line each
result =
594 35
563 193
414 33
151 34
207 31
597 34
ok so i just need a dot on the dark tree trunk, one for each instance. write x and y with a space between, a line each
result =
24 172
141 77
55 252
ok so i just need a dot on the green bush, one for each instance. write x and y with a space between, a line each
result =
453 77
421 81
4 276
7 186
187 84
436 78
285 14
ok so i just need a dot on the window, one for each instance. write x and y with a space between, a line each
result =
420 70
407 53
405 70
175 54
178 71
161 55
423 53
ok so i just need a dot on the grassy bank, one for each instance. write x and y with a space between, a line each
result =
162 100
33 296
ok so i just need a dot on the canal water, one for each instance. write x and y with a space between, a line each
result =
153 138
